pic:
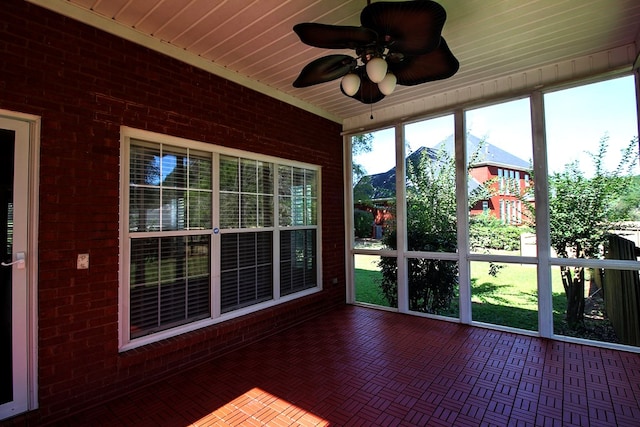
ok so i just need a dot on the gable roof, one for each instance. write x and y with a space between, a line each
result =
382 185
491 154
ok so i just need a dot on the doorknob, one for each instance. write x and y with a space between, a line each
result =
19 261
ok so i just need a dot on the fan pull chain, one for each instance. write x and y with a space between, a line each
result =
371 105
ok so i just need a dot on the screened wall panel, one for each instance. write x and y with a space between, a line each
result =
519 214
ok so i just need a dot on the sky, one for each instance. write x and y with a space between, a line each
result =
575 121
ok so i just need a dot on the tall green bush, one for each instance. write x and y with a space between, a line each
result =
431 226
362 223
488 232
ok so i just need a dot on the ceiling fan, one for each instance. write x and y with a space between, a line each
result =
397 43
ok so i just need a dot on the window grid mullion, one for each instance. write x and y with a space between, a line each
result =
172 242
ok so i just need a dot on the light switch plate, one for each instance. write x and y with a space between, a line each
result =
83 261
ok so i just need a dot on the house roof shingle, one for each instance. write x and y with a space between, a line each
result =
383 184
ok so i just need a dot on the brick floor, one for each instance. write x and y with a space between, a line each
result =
363 367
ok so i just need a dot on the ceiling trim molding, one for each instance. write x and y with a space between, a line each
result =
612 61
65 8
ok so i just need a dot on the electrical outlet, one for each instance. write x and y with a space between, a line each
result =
83 261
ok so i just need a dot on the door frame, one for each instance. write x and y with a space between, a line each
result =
29 398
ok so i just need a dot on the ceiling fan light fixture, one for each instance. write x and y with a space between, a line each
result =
350 84
398 43
388 84
376 69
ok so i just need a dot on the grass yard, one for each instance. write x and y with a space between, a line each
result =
509 299
367 278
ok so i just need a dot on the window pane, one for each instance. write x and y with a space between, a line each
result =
248 176
589 130
500 163
200 168
431 188
297 196
173 167
310 178
369 283
229 174
298 268
229 210
611 299
169 282
252 206
592 151
374 187
249 209
200 206
284 207
433 286
246 263
172 213
145 165
264 178
144 212
505 294
160 177
264 215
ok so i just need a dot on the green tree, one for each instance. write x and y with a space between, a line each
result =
627 206
360 144
431 226
362 222
581 213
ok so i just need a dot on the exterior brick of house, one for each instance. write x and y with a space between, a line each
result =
85 84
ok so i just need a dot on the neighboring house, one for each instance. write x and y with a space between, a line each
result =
506 176
509 180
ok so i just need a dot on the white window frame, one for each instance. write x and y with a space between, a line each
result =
127 135
544 259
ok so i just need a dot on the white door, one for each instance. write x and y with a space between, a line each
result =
14 259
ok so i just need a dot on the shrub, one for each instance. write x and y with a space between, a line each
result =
488 232
362 222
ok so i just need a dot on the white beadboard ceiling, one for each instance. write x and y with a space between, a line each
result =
252 41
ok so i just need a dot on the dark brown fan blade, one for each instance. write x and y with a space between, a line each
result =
334 36
325 69
368 92
436 65
410 27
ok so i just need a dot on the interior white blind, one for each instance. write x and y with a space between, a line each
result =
170 189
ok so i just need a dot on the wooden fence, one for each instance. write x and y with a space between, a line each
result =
622 292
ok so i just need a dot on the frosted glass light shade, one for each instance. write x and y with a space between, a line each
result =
350 84
376 69
388 84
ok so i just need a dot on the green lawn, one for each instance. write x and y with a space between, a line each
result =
509 299
367 278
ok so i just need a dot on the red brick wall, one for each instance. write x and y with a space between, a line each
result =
85 84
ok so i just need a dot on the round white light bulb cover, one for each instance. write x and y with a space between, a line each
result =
376 69
350 84
388 84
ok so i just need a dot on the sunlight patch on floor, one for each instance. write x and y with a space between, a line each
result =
257 407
